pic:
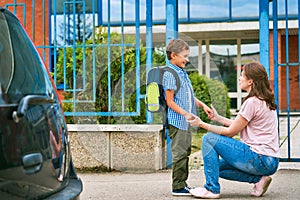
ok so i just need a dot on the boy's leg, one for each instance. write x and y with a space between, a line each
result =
181 149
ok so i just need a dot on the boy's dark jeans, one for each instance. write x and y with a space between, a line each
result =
181 149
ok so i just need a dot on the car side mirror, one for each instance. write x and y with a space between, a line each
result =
30 100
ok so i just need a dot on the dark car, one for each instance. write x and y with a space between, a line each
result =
35 157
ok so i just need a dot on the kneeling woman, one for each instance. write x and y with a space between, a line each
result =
255 156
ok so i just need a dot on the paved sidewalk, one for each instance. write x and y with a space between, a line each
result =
157 185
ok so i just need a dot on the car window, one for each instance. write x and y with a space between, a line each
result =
6 72
28 74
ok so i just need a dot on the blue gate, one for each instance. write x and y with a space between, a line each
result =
86 72
77 41
286 62
77 44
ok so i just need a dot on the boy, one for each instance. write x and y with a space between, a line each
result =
180 107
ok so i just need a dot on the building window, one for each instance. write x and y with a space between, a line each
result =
226 59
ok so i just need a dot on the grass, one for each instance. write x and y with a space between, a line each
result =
196 141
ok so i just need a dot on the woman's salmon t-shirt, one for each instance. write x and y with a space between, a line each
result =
261 133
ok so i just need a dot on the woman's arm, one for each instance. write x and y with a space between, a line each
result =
223 120
235 127
218 118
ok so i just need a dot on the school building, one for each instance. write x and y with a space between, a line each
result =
223 35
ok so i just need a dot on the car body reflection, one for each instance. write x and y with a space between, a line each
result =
35 159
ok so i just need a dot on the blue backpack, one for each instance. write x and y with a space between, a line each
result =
155 98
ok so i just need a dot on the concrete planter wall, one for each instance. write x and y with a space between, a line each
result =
127 147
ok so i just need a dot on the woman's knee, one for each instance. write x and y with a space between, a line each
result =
208 142
208 138
270 164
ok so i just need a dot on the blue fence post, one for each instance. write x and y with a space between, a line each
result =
171 19
149 117
171 33
264 40
287 79
99 6
275 50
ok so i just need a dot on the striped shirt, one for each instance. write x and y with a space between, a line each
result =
184 97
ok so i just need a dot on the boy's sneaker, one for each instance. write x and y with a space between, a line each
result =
190 187
182 192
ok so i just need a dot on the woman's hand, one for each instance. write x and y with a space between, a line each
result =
214 114
194 121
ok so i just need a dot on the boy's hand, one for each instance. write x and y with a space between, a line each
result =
189 116
208 111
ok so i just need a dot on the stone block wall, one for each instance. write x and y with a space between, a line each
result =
118 147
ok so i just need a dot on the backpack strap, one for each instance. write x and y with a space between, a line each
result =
165 114
173 72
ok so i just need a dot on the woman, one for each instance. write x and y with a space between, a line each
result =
255 156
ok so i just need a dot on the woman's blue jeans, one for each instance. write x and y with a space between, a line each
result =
231 159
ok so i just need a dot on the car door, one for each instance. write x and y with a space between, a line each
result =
33 141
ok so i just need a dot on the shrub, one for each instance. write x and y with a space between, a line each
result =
211 91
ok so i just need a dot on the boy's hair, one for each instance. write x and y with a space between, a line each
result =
176 46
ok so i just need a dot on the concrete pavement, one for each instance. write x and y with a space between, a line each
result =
157 185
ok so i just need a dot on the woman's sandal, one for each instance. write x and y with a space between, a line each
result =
203 193
262 186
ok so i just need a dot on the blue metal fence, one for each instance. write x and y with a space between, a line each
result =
287 65
71 27
65 23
